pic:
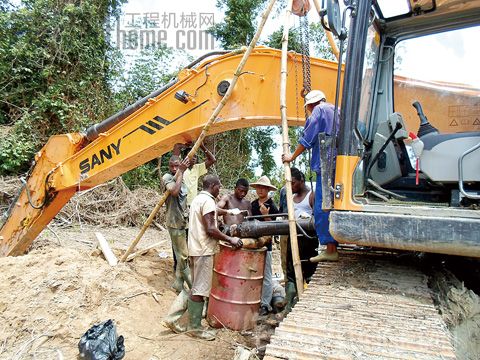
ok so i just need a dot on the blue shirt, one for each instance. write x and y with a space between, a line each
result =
320 121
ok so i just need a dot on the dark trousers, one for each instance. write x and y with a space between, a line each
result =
307 249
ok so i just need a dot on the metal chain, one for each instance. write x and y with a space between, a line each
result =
305 43
296 84
307 84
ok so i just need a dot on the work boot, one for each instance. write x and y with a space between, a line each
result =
177 285
177 309
195 328
290 296
187 277
205 308
263 311
325 256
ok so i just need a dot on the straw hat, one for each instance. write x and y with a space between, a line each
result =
314 96
263 181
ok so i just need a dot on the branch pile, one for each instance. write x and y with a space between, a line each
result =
109 204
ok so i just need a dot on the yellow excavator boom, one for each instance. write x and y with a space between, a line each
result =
69 163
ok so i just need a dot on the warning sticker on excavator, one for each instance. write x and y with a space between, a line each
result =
454 123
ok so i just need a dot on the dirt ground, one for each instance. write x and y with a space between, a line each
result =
460 309
50 297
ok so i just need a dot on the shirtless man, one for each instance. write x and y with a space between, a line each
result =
234 206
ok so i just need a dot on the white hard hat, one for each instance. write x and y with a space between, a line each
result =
314 96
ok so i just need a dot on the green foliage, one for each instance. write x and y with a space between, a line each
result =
152 69
16 152
55 69
294 40
261 140
238 26
233 153
321 46
146 175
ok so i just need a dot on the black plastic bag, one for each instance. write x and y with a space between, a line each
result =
100 342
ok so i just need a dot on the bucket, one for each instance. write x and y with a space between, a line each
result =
236 287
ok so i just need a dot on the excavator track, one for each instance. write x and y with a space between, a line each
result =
366 306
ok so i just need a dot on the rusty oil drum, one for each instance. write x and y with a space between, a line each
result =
236 287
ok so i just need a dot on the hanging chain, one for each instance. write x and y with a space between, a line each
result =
305 43
307 84
296 84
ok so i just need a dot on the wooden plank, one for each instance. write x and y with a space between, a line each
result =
107 252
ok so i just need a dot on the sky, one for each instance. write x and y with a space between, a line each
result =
187 33
177 24
449 57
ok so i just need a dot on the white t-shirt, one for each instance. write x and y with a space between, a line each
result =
199 243
190 178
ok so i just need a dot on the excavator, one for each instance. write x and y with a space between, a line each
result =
407 172
388 191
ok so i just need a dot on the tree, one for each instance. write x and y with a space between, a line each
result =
237 29
321 46
294 40
55 72
238 26
153 68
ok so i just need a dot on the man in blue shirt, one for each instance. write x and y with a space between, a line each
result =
320 120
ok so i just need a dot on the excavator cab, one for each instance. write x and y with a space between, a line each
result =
437 169
408 164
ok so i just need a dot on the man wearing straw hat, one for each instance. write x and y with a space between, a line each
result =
265 206
320 121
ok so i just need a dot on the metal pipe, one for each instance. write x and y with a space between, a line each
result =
195 62
95 130
256 229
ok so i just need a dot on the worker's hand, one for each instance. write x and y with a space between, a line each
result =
264 209
304 215
287 158
236 242
235 211
184 164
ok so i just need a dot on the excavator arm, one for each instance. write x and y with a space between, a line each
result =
73 162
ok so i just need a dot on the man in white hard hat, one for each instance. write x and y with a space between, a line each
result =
320 120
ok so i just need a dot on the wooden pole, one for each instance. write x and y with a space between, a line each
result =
286 150
207 126
331 41
144 251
